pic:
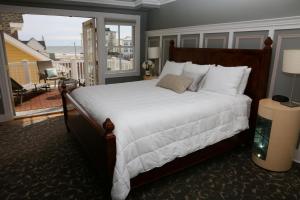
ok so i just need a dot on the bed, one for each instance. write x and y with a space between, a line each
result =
141 147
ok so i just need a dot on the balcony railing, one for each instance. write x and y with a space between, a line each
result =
27 72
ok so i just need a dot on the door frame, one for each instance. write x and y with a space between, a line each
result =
5 84
91 23
100 23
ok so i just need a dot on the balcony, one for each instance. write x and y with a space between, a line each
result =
43 100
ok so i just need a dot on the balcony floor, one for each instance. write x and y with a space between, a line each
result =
39 103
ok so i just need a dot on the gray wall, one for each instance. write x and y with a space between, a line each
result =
182 13
215 40
198 12
285 39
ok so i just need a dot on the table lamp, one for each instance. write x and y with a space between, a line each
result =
291 65
153 54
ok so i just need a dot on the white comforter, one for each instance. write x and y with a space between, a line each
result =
154 125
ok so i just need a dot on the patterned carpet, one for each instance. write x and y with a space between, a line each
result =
43 161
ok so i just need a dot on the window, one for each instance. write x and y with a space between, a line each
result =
120 47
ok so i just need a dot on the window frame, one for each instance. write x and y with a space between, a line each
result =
136 48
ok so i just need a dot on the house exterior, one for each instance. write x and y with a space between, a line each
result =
39 46
17 53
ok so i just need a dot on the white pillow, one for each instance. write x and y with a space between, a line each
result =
225 80
244 81
172 68
204 78
196 72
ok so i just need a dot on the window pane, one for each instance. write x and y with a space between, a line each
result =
113 59
126 58
111 35
126 35
120 52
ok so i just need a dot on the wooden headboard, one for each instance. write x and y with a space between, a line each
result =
258 59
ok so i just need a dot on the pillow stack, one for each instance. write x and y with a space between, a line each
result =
185 76
180 77
197 73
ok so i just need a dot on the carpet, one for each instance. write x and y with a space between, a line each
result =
44 161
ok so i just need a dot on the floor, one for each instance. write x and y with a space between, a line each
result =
39 102
39 159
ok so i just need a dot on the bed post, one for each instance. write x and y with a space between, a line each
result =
110 142
171 48
64 104
261 92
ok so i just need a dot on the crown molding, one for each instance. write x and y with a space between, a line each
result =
130 4
264 24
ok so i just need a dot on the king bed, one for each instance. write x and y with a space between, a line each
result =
135 133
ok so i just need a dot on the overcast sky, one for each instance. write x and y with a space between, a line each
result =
57 31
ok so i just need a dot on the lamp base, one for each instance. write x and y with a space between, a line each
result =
147 73
290 104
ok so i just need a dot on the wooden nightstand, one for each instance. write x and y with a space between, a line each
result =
276 135
150 77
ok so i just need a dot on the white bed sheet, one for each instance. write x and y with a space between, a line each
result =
154 125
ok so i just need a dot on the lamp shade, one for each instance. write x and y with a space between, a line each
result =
291 61
153 52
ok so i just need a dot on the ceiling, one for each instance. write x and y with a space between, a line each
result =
125 3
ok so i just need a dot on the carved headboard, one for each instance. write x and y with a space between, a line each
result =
258 59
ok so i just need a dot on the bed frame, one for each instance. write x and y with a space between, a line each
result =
99 141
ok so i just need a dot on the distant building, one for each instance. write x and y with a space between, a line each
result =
39 46
110 39
127 50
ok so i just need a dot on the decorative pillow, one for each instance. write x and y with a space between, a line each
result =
225 80
196 72
51 72
244 81
172 68
176 83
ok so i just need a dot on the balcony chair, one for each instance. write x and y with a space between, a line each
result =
20 90
48 72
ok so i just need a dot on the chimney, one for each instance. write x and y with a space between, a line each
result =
11 23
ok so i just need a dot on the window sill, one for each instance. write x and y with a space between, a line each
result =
121 74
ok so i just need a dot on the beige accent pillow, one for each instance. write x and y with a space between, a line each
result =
177 83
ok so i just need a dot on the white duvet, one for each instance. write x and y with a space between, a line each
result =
154 125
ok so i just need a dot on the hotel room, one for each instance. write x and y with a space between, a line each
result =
175 99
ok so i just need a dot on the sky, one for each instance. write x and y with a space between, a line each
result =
57 30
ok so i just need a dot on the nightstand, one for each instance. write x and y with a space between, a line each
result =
276 135
150 77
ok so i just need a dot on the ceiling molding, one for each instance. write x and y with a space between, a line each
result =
130 4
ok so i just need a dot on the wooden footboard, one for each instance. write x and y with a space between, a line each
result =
98 142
